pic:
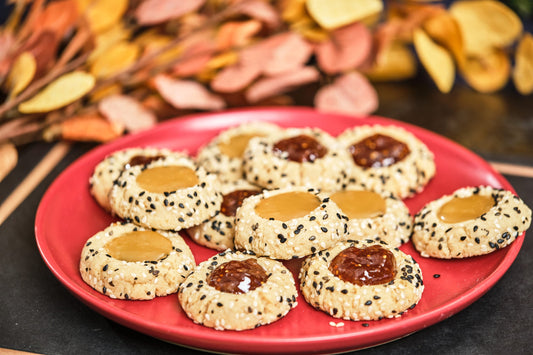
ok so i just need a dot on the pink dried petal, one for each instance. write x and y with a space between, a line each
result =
187 94
292 53
151 12
126 111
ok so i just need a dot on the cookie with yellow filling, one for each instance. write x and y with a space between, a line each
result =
218 232
238 291
125 261
370 213
363 280
109 169
171 193
471 221
223 154
288 223
388 158
296 157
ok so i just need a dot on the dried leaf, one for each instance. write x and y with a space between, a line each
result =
196 57
408 17
350 93
523 70
104 91
235 78
489 73
22 73
486 24
290 54
331 14
58 17
90 127
347 49
43 45
116 59
272 86
395 63
444 29
262 11
82 38
106 40
154 43
61 92
236 33
104 14
152 12
186 94
8 159
162 109
436 59
127 112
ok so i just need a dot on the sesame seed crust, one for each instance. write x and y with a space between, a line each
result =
340 299
172 210
134 280
206 305
218 232
269 170
494 230
228 168
404 178
393 227
109 169
298 237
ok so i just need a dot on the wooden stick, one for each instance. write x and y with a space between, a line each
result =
513 169
51 159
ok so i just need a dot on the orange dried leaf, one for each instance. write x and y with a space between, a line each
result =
43 45
273 86
59 93
151 12
108 90
22 73
523 70
236 33
104 14
187 94
410 17
350 94
331 14
444 29
127 112
436 59
160 107
395 63
195 59
90 127
8 159
347 49
58 17
116 59
489 73
486 24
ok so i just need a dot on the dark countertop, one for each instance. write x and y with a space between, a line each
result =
39 315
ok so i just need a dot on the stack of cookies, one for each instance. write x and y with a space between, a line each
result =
260 194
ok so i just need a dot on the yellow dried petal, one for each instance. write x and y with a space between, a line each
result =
395 63
106 40
488 73
486 24
294 10
61 92
103 14
116 59
8 159
331 14
108 90
436 59
444 29
223 60
21 73
523 70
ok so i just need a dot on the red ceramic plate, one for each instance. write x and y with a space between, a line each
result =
67 216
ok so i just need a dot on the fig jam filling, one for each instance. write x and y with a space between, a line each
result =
300 148
235 146
237 276
139 246
162 179
378 151
287 206
369 266
460 209
233 200
360 204
142 160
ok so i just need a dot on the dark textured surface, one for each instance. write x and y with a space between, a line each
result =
37 314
